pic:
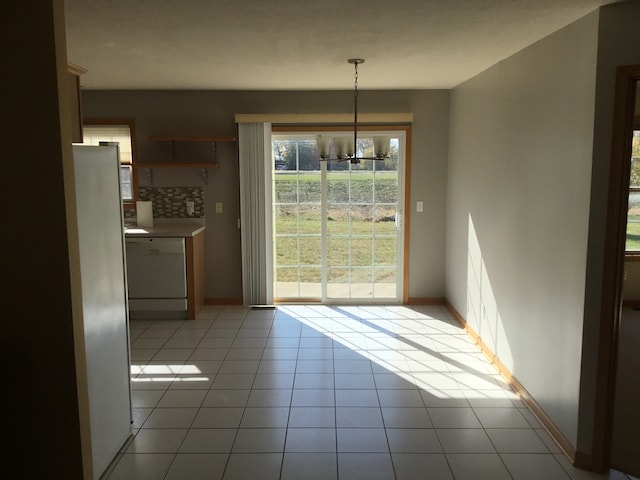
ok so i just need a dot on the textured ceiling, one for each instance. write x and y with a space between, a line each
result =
302 44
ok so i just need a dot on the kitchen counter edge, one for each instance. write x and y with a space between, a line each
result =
164 230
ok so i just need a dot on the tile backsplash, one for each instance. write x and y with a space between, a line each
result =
170 202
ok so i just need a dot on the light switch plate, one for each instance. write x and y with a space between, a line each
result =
419 206
218 207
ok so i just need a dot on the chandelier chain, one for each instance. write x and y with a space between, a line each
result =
355 114
344 151
356 81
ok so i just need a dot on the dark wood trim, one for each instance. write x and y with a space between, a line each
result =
556 434
614 248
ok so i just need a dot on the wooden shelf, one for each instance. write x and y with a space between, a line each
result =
173 139
160 138
203 166
177 165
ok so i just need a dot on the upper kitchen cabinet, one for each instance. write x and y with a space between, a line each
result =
73 84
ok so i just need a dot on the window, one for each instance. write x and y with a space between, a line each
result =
633 214
121 131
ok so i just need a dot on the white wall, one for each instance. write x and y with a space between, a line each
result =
521 142
212 113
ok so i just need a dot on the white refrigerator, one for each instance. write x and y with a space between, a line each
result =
104 299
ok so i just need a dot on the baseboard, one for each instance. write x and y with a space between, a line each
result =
285 301
425 301
563 443
555 433
223 301
238 301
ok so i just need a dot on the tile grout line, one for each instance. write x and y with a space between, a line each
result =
384 426
235 437
192 420
334 346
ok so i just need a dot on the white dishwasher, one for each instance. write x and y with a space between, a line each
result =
156 277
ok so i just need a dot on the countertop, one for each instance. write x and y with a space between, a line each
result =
165 227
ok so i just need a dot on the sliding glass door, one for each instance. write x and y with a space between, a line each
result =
297 214
337 225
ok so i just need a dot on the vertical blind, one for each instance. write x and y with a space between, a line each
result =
254 143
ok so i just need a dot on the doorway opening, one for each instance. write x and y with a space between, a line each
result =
600 456
625 451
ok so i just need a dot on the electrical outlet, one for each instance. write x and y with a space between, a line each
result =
419 206
191 208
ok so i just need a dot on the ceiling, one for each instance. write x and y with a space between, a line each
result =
302 44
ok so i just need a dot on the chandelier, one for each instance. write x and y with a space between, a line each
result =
345 147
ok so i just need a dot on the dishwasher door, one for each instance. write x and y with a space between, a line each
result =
156 273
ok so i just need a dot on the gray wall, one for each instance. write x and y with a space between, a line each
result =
518 211
212 113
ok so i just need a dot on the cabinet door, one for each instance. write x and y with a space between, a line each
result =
156 268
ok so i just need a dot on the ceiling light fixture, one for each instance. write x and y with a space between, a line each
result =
345 146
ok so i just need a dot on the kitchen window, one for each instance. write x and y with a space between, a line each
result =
122 131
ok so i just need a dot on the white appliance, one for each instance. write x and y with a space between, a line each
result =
104 300
157 277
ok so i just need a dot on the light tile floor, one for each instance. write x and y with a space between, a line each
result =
326 392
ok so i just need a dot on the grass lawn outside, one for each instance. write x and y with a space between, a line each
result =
633 233
361 232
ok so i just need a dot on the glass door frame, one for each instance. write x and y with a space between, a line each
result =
401 130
